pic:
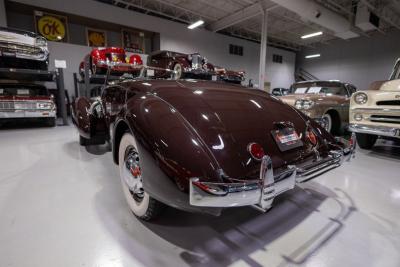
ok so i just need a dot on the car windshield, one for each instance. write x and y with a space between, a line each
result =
317 88
22 90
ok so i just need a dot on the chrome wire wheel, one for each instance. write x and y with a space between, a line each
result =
132 174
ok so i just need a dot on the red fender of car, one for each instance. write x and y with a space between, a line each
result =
135 59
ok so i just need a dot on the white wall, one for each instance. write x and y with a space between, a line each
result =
175 36
73 54
3 18
359 61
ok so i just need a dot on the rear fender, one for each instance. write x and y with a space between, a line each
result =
170 151
89 119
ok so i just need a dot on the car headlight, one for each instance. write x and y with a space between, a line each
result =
298 104
44 105
40 41
360 98
307 104
304 104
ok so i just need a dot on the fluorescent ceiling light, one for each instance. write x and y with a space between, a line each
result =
311 35
312 56
196 24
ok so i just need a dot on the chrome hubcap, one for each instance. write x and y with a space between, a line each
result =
132 174
326 124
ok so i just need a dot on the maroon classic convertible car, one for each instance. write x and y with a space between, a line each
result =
191 66
202 146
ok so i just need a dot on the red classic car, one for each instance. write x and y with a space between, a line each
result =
26 101
101 58
202 146
191 66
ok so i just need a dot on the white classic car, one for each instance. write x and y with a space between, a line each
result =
376 112
23 49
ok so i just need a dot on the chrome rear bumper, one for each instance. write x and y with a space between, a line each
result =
261 192
375 130
27 114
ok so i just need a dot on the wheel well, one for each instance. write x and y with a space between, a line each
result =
122 127
335 120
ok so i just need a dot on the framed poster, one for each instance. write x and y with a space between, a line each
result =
51 26
133 41
96 38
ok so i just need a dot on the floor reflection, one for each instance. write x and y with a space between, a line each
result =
239 234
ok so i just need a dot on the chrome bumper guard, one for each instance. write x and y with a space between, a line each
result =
260 193
375 130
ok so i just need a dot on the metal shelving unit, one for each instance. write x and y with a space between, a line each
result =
83 85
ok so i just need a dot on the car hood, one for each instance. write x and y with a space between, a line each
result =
291 99
17 37
227 118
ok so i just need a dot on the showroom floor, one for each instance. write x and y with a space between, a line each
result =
62 205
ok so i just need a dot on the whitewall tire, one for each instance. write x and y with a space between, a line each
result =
178 71
140 203
328 122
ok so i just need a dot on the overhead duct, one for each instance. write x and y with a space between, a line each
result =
320 15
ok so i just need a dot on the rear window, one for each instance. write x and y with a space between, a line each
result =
21 90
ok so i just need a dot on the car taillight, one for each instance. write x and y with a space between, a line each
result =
210 188
310 135
256 151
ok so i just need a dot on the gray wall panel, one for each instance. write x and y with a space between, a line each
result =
359 61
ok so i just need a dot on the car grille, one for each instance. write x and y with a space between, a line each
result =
18 48
385 118
388 103
6 105
14 105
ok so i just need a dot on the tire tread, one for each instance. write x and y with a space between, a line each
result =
154 209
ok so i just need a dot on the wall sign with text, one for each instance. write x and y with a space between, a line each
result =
52 27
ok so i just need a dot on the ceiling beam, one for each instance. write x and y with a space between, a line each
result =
237 17
385 13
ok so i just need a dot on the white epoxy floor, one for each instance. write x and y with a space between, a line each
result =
62 205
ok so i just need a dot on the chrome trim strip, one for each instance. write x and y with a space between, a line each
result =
25 51
377 119
27 114
268 183
383 110
375 130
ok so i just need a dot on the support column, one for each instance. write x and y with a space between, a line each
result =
263 49
3 18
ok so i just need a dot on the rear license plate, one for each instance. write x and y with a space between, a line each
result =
286 138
